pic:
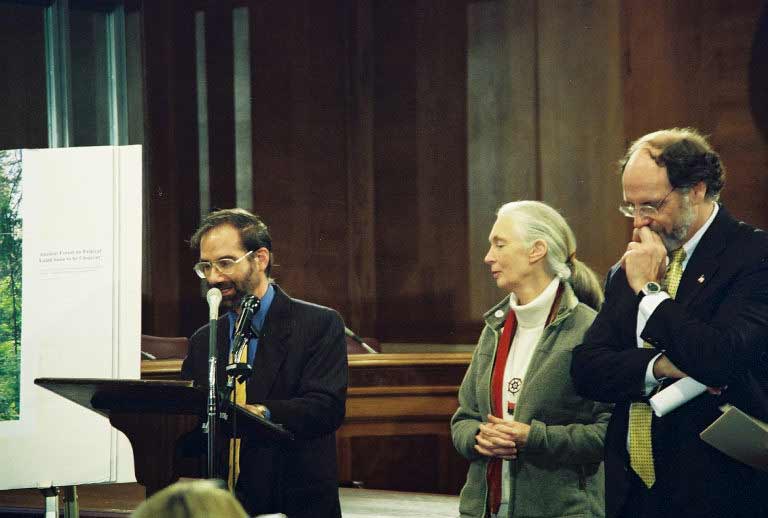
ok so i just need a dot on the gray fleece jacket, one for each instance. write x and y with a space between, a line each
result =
559 472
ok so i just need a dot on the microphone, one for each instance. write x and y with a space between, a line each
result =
214 299
353 336
243 329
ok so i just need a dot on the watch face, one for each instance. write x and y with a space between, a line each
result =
652 287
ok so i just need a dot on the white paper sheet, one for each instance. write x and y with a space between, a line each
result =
740 436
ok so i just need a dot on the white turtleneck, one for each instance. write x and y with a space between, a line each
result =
531 319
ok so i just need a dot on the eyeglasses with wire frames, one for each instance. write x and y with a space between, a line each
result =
646 210
225 266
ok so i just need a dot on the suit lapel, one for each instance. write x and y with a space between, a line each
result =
273 347
695 277
703 265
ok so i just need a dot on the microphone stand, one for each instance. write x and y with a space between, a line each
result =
242 335
214 298
212 403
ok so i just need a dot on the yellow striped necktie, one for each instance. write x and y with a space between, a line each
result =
234 444
640 416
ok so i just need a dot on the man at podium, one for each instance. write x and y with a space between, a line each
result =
299 371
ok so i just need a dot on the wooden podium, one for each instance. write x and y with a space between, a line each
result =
155 415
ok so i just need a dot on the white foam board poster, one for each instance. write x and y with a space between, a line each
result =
75 215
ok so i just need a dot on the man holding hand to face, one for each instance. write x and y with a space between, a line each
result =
689 297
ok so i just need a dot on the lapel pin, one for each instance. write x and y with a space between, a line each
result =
701 279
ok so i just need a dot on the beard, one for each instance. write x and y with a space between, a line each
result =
242 287
231 302
676 236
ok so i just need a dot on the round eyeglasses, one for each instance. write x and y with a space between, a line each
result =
646 210
225 266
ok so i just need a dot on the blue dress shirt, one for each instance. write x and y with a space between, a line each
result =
257 322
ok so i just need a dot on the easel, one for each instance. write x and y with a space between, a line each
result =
51 494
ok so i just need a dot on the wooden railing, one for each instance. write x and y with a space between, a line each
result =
396 433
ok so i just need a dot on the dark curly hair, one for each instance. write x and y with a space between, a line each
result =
688 157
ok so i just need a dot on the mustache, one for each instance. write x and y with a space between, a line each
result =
223 285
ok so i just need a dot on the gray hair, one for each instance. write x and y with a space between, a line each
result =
536 220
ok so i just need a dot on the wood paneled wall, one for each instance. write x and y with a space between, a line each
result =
419 56
171 306
580 119
359 156
502 125
687 64
545 122
299 80
386 133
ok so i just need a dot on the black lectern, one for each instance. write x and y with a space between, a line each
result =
155 415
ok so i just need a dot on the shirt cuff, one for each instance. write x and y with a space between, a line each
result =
649 303
650 380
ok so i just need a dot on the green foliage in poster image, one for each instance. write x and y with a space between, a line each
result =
10 283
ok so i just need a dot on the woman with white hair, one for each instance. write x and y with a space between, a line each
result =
535 446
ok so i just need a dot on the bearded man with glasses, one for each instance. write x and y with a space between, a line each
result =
299 359
689 297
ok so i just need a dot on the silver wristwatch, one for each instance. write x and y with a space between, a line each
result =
650 288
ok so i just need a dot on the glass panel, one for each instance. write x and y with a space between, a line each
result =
90 94
24 121
134 77
242 74
202 113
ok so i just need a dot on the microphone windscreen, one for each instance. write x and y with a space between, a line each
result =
214 299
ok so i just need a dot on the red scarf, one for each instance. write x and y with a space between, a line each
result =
493 472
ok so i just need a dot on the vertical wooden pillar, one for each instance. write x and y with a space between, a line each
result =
361 255
502 126
221 103
171 156
581 123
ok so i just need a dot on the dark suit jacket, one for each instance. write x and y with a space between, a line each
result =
717 332
300 374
